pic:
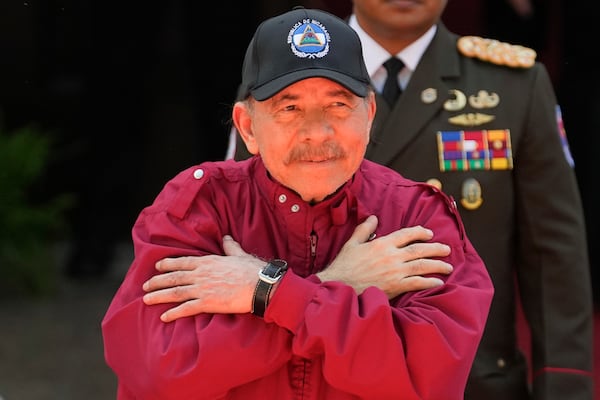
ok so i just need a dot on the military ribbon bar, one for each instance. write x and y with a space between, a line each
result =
474 150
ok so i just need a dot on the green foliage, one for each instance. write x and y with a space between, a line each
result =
27 227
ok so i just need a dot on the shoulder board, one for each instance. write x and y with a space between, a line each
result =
496 52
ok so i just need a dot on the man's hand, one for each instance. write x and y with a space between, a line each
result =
208 284
395 263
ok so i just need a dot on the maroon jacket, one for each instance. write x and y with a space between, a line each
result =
317 340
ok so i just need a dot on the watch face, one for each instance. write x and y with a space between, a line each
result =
273 271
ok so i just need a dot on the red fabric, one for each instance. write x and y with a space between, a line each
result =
317 340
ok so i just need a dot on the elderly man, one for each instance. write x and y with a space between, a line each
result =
304 271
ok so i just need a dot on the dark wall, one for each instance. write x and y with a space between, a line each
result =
131 92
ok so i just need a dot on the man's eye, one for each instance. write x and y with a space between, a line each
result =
339 104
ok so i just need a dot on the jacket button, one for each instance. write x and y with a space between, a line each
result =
199 173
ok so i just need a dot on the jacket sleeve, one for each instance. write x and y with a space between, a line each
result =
180 359
553 268
418 346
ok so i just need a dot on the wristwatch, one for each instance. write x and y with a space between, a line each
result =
267 277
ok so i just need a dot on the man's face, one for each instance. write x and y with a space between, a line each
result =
312 135
398 19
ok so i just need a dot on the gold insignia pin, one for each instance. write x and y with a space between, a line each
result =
471 119
457 102
471 194
484 99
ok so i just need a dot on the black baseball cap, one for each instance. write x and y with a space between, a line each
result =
299 44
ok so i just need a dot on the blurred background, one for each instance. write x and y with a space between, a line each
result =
101 102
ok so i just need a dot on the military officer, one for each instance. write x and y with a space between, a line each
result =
479 119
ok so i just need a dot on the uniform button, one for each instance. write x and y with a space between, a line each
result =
501 363
282 198
295 208
199 173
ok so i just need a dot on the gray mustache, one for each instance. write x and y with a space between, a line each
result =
325 151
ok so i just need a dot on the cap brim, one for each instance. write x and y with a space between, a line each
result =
276 85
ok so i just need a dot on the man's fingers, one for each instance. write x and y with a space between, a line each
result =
232 248
167 280
405 236
415 283
169 295
189 263
364 231
426 266
186 309
416 251
176 264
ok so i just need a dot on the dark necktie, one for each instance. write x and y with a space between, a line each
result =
391 90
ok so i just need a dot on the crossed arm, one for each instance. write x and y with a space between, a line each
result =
400 262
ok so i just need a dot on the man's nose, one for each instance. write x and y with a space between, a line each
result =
316 127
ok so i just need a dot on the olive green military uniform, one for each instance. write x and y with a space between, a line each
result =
491 136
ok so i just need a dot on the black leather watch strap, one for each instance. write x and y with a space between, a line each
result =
267 277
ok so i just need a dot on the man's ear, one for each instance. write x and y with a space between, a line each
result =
243 123
371 103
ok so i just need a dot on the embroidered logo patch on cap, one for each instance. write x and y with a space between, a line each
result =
310 39
301 44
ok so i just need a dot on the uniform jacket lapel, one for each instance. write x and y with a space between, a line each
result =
393 129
